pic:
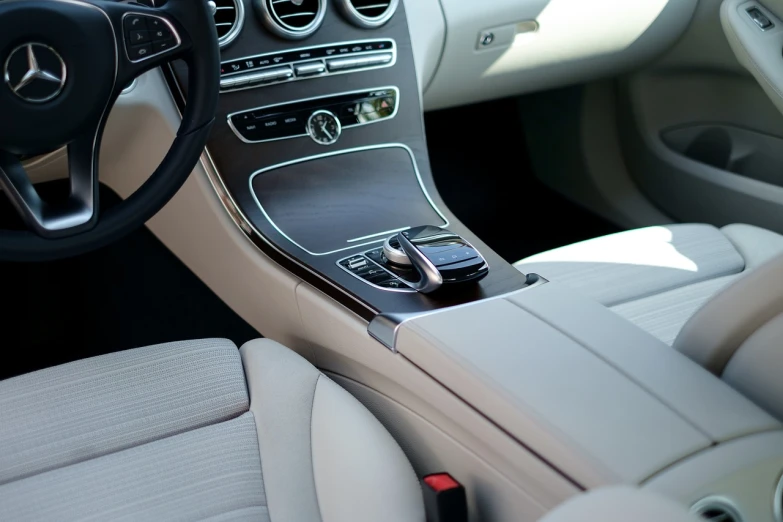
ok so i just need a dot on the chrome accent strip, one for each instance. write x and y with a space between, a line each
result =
337 153
366 22
159 53
431 278
398 290
393 62
276 25
777 501
395 255
385 327
305 133
378 234
238 25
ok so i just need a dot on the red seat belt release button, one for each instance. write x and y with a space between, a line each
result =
444 499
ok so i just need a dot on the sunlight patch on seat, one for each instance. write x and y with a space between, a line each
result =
646 247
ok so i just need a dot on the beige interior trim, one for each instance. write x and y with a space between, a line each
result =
713 335
757 50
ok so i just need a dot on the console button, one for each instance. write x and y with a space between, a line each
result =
309 69
139 52
452 256
272 75
343 64
376 59
294 123
393 284
353 261
374 275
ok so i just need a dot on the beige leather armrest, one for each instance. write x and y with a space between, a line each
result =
759 51
619 504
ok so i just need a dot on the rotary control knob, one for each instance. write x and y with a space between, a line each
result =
324 127
394 253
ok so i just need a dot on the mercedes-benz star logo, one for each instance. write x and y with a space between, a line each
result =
35 72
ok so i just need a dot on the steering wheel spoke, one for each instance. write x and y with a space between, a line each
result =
77 212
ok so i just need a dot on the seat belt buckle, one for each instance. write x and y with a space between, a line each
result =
444 499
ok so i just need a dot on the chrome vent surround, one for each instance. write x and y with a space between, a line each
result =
368 14
291 19
716 509
229 17
777 501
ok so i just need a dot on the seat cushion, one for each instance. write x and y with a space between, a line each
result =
658 277
180 432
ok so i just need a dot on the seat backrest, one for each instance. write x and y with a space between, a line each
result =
737 335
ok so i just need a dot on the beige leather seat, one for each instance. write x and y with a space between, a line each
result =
194 431
658 277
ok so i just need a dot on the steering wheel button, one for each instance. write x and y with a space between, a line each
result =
139 37
139 52
160 47
161 33
135 23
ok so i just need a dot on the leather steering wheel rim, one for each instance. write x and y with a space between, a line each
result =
196 44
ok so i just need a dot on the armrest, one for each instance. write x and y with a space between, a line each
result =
579 386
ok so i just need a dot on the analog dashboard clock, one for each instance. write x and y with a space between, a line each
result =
324 127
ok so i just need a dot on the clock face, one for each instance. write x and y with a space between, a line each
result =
324 127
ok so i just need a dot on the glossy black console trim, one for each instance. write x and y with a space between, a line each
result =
326 97
380 235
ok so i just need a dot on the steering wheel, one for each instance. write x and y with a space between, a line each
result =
64 63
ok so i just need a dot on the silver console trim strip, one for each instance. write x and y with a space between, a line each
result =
393 62
385 327
337 153
304 133
378 234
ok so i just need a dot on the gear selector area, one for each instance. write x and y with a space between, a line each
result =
422 259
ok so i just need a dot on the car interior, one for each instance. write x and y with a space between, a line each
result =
391 260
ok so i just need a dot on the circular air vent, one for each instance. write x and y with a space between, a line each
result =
292 19
716 509
229 17
368 14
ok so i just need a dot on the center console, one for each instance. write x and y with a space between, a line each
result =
319 151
